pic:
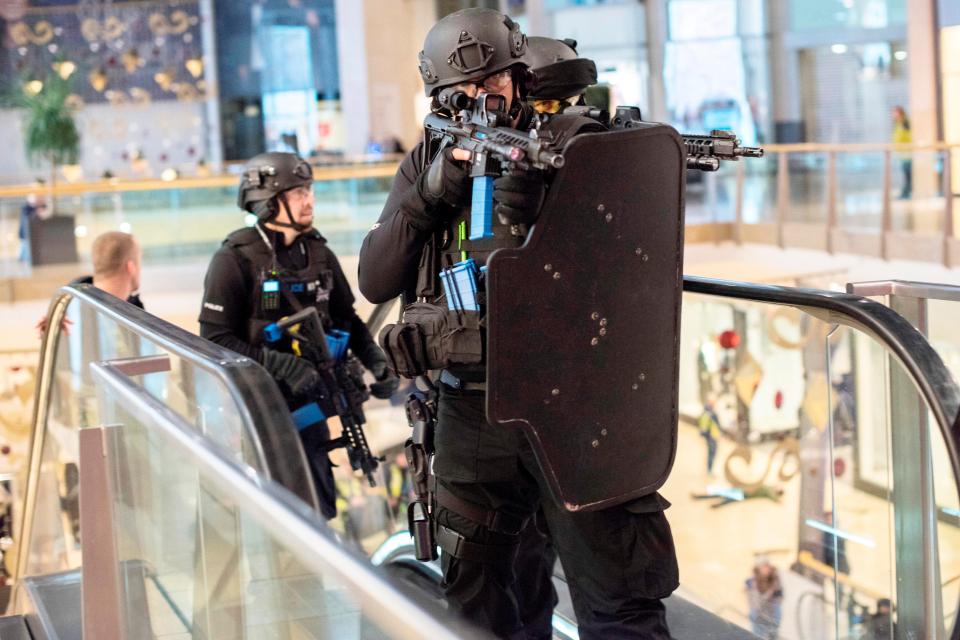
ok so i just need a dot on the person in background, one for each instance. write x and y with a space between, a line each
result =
33 209
765 596
274 269
710 430
880 626
902 135
116 269
116 266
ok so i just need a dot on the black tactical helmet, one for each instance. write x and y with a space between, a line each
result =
269 174
557 72
469 44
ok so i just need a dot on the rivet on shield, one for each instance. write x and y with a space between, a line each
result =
609 217
594 315
639 251
594 342
601 208
635 386
603 322
642 377
548 267
645 257
556 275
555 392
595 443
603 432
603 332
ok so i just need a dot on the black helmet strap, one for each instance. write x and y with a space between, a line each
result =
275 220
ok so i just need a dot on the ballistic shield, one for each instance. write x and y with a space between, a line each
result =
584 319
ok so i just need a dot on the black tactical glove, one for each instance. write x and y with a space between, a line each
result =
518 195
375 360
445 181
296 373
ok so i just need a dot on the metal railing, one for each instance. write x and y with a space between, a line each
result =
299 529
828 234
266 421
929 376
385 167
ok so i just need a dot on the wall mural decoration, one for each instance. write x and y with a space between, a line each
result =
121 52
23 34
786 455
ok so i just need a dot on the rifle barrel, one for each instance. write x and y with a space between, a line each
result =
749 152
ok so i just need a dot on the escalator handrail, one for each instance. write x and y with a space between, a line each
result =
901 339
299 529
264 415
918 358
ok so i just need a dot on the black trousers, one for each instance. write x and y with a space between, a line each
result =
315 439
619 562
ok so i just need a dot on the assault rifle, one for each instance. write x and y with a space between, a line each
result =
342 391
478 125
703 152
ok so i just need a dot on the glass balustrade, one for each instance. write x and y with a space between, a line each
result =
807 202
859 189
917 202
809 426
185 373
176 221
203 551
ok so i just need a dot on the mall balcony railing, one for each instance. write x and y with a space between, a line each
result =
889 201
183 218
840 198
825 403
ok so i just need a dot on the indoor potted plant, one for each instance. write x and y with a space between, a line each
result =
51 137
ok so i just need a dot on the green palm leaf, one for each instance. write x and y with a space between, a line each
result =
50 132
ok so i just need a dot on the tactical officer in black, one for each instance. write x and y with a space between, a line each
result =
273 269
558 75
618 562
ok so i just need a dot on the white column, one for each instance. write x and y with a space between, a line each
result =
214 154
923 68
922 65
784 69
657 33
352 71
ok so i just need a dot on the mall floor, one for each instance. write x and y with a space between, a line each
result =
717 545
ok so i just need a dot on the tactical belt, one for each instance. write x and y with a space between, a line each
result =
458 546
454 382
497 521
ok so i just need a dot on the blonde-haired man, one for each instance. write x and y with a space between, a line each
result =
116 270
116 266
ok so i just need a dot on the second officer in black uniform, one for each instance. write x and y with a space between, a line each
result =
274 269
619 562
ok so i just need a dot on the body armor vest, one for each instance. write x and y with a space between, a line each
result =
451 245
278 291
